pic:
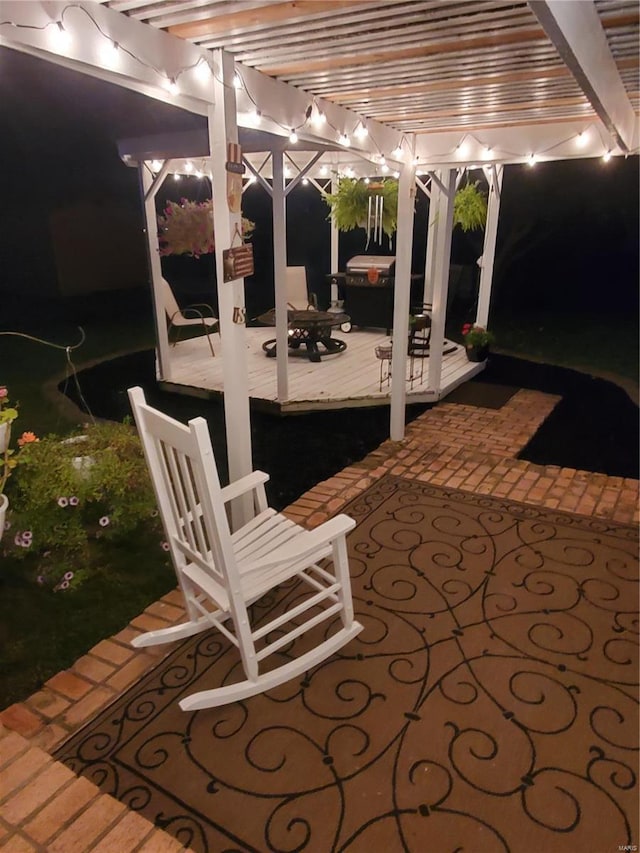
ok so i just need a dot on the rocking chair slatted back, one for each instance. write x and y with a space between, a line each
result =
221 573
187 490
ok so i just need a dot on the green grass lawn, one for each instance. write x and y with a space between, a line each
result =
43 632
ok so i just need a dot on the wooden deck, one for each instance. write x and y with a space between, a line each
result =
348 379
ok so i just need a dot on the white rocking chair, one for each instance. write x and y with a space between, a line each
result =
222 573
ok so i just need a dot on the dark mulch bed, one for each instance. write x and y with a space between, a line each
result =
594 428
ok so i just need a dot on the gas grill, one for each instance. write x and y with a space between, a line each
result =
366 288
370 271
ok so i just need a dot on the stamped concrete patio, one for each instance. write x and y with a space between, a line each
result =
43 806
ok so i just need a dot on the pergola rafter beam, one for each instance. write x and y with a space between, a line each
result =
576 32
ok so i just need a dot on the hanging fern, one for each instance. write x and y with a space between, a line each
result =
350 204
470 207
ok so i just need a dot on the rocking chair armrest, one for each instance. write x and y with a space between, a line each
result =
243 485
307 544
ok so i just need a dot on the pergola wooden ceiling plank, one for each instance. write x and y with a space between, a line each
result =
422 66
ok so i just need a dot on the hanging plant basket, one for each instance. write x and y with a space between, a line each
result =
356 203
187 228
470 207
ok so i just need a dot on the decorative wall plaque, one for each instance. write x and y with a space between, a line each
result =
237 262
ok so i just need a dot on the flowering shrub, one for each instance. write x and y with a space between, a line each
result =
8 457
187 228
62 502
476 336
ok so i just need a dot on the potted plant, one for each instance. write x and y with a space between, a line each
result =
186 228
477 341
470 207
354 205
358 204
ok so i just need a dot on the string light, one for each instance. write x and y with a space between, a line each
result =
156 165
61 36
204 69
188 166
305 181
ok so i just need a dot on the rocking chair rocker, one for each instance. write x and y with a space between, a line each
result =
221 573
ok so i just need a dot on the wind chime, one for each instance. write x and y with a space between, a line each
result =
374 214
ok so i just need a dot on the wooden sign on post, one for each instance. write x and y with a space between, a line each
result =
237 262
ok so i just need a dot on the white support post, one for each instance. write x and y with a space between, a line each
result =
441 277
155 267
279 203
222 130
494 176
401 299
432 239
335 235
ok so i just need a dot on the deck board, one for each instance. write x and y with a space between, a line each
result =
350 378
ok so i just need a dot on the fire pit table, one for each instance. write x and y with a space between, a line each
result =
307 331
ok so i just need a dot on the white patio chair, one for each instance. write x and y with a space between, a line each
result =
221 573
192 315
298 296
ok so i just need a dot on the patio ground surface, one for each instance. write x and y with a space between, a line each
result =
44 807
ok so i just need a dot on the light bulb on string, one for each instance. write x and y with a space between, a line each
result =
396 175
293 137
255 117
188 166
156 165
172 86
203 70
61 36
305 182
397 152
237 81
384 168
344 140
324 171
532 160
361 131
319 118
176 177
606 157
582 139
109 50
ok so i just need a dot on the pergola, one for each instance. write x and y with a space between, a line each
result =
422 87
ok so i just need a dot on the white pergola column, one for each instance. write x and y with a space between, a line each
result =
279 207
432 237
494 177
149 186
401 299
442 262
222 130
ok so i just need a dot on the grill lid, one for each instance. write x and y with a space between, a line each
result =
359 264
